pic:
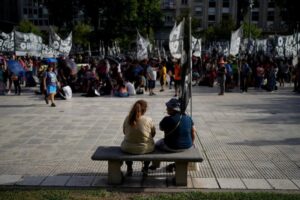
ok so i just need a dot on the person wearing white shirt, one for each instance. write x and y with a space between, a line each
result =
130 88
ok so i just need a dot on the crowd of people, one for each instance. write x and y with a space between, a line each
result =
260 72
124 76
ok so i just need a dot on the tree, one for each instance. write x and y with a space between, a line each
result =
81 34
221 31
26 26
251 30
121 18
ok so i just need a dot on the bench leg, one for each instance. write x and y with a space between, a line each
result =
114 172
181 173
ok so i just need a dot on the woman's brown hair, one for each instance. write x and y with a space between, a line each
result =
138 109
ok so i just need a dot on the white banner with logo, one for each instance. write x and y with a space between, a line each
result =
235 42
28 43
60 45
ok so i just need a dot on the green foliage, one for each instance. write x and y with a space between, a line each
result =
251 30
81 34
26 26
221 31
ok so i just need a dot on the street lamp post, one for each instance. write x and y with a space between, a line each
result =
297 39
250 14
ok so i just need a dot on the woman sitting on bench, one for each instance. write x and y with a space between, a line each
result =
179 132
139 132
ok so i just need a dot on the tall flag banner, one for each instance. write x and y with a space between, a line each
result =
196 47
235 42
7 43
60 45
142 46
164 54
101 48
110 52
28 43
176 40
89 50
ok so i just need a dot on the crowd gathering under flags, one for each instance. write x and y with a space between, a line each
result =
124 75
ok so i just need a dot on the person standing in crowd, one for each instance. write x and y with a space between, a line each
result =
2 79
260 73
271 76
229 76
50 84
151 77
16 78
139 131
163 75
177 77
221 73
283 72
244 75
296 73
170 70
179 132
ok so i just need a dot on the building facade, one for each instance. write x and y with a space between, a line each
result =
264 14
34 11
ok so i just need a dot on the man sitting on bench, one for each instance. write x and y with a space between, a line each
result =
179 132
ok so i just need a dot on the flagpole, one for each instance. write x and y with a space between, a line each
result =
190 63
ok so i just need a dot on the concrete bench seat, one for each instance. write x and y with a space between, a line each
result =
115 156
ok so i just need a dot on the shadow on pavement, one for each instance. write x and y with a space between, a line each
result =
287 141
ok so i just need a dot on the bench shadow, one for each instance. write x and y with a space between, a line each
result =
287 141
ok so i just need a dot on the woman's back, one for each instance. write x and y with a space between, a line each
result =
138 138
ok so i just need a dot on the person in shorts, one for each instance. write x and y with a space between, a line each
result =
50 84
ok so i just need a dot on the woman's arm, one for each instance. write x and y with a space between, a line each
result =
193 134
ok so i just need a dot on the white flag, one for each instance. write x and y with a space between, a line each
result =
176 40
235 42
197 47
142 45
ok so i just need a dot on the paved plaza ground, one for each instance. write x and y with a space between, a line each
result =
248 141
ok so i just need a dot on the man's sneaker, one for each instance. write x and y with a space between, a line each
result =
53 105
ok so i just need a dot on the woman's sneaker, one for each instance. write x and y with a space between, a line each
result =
46 100
53 105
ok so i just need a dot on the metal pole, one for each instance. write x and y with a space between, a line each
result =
190 62
250 14
297 38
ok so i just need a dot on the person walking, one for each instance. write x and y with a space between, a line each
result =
163 76
151 77
139 131
244 75
50 84
221 73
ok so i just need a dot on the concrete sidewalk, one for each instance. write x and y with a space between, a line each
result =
248 141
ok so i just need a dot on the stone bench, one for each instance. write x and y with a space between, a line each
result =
115 158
